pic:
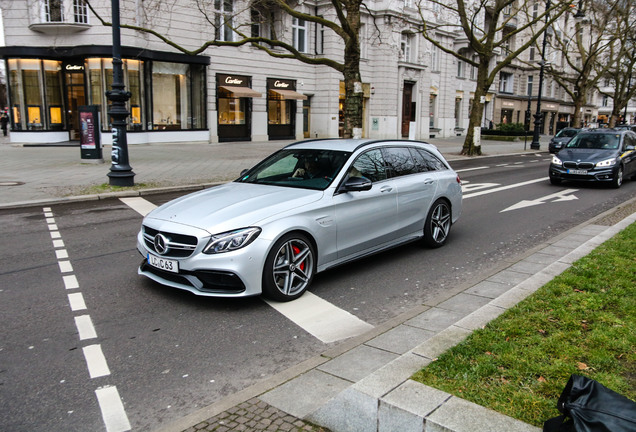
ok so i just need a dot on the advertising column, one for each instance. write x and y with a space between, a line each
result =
90 145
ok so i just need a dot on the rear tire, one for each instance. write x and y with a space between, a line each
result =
289 268
438 224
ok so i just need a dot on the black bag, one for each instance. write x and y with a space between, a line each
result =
591 407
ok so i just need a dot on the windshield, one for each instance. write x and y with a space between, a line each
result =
309 169
598 141
567 133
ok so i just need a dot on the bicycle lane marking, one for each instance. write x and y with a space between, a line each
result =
108 399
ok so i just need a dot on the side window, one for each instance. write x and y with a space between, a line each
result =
629 141
399 160
369 165
421 165
432 161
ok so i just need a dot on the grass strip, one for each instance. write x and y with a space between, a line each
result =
582 322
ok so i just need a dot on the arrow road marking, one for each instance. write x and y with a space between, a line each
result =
565 195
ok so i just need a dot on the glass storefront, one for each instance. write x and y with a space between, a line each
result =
45 95
281 108
234 107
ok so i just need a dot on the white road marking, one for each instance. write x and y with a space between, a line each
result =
96 362
85 327
512 186
76 300
140 205
113 412
70 282
108 398
322 319
564 195
472 169
65 266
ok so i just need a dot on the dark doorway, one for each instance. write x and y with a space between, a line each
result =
408 108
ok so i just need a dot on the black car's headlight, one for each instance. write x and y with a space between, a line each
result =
606 163
556 161
231 240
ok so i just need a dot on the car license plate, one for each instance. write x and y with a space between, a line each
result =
577 171
163 263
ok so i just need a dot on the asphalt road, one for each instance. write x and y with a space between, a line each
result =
167 353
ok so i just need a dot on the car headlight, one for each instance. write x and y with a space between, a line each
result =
231 240
556 161
606 163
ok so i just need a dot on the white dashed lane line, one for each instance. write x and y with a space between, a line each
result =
110 404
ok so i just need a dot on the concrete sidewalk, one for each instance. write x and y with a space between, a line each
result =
363 384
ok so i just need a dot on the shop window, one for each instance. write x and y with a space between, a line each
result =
279 110
178 96
53 92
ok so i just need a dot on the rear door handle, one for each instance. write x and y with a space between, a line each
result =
429 181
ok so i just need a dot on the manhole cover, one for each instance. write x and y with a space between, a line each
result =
11 183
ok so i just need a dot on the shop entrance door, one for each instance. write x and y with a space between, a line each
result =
408 111
76 97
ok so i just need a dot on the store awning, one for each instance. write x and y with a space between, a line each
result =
241 91
290 94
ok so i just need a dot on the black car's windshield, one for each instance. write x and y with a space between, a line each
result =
597 141
567 133
310 169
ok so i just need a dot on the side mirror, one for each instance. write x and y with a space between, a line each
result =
356 184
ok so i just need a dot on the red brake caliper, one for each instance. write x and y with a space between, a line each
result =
296 252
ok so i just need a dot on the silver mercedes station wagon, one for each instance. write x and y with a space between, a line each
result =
308 207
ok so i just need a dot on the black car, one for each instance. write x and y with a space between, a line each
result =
561 138
604 155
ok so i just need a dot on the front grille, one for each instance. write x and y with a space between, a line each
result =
179 245
578 165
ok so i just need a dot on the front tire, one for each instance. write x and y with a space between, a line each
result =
555 181
289 268
438 224
618 178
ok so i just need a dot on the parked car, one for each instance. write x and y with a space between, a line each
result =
310 206
604 155
562 137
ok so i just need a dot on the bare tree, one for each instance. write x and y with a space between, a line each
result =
621 60
489 27
346 25
581 65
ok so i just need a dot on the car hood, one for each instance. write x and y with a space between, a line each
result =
561 140
586 155
232 205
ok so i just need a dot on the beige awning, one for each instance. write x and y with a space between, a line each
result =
241 91
290 94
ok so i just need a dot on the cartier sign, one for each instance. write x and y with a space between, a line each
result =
274 83
70 67
233 80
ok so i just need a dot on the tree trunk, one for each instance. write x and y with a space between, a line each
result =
352 78
477 110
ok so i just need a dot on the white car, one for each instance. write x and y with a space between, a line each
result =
310 206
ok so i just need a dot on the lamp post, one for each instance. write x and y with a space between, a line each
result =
536 145
121 173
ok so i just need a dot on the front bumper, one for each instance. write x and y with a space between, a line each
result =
230 274
591 175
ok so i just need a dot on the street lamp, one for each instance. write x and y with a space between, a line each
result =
121 173
536 145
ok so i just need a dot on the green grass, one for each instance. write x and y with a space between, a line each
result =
583 322
105 188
